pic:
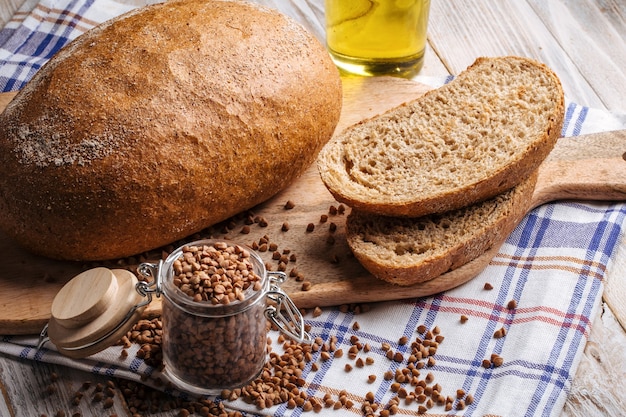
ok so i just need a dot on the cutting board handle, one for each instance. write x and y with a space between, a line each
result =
5 98
587 167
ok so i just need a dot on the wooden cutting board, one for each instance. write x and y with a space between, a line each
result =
586 167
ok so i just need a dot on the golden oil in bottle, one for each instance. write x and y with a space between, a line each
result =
377 37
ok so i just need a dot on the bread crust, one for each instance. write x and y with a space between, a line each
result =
345 161
376 241
160 123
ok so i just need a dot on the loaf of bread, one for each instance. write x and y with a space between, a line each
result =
457 145
407 251
160 123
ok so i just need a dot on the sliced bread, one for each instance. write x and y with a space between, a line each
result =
470 140
407 251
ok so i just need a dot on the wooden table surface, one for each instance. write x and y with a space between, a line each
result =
582 40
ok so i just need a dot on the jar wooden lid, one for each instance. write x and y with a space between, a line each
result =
93 311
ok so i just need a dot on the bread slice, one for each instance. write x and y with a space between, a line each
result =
407 251
470 140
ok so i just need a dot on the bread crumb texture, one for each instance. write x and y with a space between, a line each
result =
159 123
405 251
469 140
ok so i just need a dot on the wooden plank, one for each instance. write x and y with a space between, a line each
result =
603 68
5 98
597 389
461 31
7 9
33 389
615 285
5 399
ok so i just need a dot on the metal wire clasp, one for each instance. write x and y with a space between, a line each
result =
292 324
147 288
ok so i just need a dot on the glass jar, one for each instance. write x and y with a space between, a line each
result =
377 37
218 304
215 314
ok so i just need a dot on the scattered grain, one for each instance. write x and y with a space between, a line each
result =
497 361
500 333
307 406
294 272
108 403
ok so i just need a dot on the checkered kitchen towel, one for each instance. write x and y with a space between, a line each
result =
553 265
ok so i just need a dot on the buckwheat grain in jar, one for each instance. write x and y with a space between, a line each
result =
218 303
215 314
